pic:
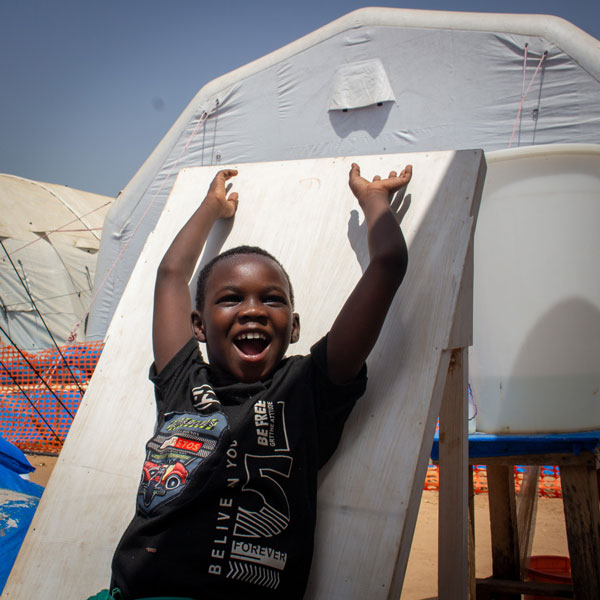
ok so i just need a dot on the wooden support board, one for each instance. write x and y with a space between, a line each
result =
304 213
582 518
453 574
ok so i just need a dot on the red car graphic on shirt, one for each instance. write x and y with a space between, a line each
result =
175 456
158 479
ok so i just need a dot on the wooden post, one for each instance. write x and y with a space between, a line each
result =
453 572
503 524
456 572
526 514
580 503
472 563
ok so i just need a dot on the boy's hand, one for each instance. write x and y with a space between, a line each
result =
217 194
365 190
356 328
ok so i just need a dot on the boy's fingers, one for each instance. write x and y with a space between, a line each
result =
230 208
227 173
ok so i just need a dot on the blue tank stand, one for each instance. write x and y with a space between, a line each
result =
576 454
483 445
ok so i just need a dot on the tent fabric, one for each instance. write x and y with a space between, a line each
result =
360 84
50 238
456 82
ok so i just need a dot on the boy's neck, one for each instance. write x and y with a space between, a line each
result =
220 377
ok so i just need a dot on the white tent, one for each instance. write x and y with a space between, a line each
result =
50 237
376 81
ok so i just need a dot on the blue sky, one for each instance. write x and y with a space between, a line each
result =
89 87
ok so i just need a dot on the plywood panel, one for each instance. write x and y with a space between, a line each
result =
304 213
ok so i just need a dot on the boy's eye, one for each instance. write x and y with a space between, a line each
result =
229 299
274 299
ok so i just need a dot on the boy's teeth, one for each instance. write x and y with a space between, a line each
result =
251 343
252 335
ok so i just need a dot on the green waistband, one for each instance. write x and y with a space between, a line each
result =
116 595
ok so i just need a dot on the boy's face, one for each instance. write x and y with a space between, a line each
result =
247 321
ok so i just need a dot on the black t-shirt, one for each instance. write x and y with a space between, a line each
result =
226 505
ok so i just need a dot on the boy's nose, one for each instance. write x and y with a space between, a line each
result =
252 310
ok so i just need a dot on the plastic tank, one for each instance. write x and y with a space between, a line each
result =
535 360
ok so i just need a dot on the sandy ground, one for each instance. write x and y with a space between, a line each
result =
420 582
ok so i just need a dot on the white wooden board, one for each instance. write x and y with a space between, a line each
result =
304 213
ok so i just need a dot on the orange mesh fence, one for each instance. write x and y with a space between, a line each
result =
36 416
548 484
40 393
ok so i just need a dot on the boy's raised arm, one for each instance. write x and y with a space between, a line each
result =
171 324
357 327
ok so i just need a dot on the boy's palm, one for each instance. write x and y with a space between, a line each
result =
363 188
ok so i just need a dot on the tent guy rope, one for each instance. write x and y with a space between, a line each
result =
58 197
30 401
32 367
42 318
201 120
525 92
62 229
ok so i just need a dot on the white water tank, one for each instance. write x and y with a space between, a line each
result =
535 360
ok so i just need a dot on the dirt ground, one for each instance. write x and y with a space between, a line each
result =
43 467
420 582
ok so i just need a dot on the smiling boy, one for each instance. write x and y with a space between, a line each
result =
226 506
245 316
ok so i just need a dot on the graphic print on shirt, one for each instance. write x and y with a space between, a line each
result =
204 399
263 511
175 453
269 420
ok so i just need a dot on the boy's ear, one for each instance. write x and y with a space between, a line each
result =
295 336
198 326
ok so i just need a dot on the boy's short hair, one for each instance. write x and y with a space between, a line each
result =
207 269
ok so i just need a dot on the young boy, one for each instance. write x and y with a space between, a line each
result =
226 506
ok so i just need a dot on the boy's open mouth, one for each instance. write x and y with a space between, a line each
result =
251 343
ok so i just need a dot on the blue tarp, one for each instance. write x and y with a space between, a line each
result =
12 458
18 501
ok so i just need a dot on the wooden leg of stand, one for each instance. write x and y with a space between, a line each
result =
472 570
503 525
453 503
580 501
526 513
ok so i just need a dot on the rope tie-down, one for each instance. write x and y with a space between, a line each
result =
524 91
199 123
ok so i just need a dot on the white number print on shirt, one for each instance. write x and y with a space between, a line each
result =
263 511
